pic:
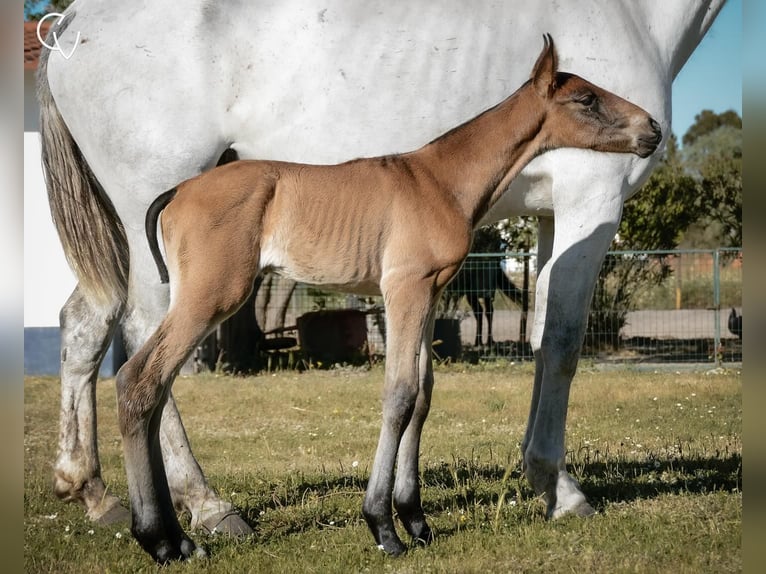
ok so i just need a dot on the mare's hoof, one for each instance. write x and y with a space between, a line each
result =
582 509
229 523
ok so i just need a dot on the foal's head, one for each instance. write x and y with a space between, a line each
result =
579 114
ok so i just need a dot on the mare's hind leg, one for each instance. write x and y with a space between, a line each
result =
189 489
86 330
407 486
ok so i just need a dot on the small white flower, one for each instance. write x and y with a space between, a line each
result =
355 464
118 535
91 532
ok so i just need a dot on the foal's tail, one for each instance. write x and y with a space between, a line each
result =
152 215
89 229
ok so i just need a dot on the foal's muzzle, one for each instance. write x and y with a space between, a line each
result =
647 144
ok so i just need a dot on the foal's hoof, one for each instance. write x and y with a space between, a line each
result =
166 552
393 547
229 523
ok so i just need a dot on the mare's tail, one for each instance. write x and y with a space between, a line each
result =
89 229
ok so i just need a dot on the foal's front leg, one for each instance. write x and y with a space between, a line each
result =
407 486
408 305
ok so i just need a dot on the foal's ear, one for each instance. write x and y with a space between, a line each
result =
544 72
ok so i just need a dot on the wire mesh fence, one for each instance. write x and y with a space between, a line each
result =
648 306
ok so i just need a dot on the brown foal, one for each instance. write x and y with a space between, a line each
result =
400 225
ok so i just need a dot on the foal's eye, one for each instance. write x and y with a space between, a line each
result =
587 100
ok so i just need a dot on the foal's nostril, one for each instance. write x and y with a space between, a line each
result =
656 127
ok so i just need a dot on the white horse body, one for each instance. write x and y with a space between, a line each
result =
154 93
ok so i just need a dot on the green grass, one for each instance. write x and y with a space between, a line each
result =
658 455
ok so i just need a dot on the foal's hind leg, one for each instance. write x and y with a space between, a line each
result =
190 491
86 330
143 387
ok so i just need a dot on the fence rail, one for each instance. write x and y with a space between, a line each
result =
648 306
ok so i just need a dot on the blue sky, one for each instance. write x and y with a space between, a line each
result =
712 78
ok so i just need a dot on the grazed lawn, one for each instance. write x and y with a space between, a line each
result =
658 454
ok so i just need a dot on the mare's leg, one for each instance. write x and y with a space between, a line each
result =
489 310
585 225
407 486
544 250
189 488
408 304
86 330
190 491
478 313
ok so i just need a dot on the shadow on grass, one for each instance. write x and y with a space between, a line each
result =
302 502
607 482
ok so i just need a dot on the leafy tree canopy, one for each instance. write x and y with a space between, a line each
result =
707 121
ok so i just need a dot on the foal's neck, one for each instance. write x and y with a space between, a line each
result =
477 160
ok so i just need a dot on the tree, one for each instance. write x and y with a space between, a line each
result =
708 121
714 159
693 196
653 219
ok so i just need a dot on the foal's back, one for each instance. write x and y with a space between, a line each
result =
354 217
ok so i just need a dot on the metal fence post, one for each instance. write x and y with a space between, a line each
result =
716 308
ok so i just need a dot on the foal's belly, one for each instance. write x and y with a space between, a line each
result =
331 270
